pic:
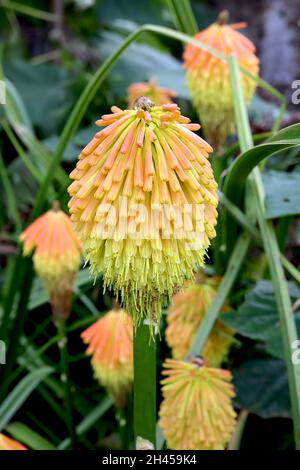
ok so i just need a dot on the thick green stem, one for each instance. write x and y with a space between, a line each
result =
285 312
65 377
144 392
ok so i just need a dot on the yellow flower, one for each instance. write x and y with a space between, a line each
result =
185 315
56 256
6 443
110 343
151 90
144 204
196 412
208 76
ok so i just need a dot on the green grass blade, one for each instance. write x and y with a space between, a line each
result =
23 433
286 316
89 421
183 16
10 197
228 280
20 393
29 11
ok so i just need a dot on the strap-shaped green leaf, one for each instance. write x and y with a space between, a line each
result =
241 168
30 438
20 393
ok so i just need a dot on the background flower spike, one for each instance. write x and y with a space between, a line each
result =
56 256
208 76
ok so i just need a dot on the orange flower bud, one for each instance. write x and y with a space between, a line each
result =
110 343
6 443
56 256
208 76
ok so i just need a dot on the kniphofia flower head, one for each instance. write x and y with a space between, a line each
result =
143 202
56 256
6 443
184 316
196 412
110 343
208 76
151 90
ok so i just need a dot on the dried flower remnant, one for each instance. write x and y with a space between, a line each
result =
150 90
56 256
110 343
196 412
6 443
184 316
143 203
208 76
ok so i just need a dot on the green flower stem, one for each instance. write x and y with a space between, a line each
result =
65 377
236 439
144 388
285 312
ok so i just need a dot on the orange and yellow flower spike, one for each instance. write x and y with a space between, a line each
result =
143 202
151 90
184 316
110 343
56 256
6 443
208 76
196 412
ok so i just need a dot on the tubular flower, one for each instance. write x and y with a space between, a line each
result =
151 90
144 204
185 315
6 443
110 343
56 256
196 412
208 76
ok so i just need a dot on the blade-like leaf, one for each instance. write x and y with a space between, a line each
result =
27 436
20 393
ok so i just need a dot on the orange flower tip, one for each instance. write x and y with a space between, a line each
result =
57 254
206 73
110 344
6 443
128 201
